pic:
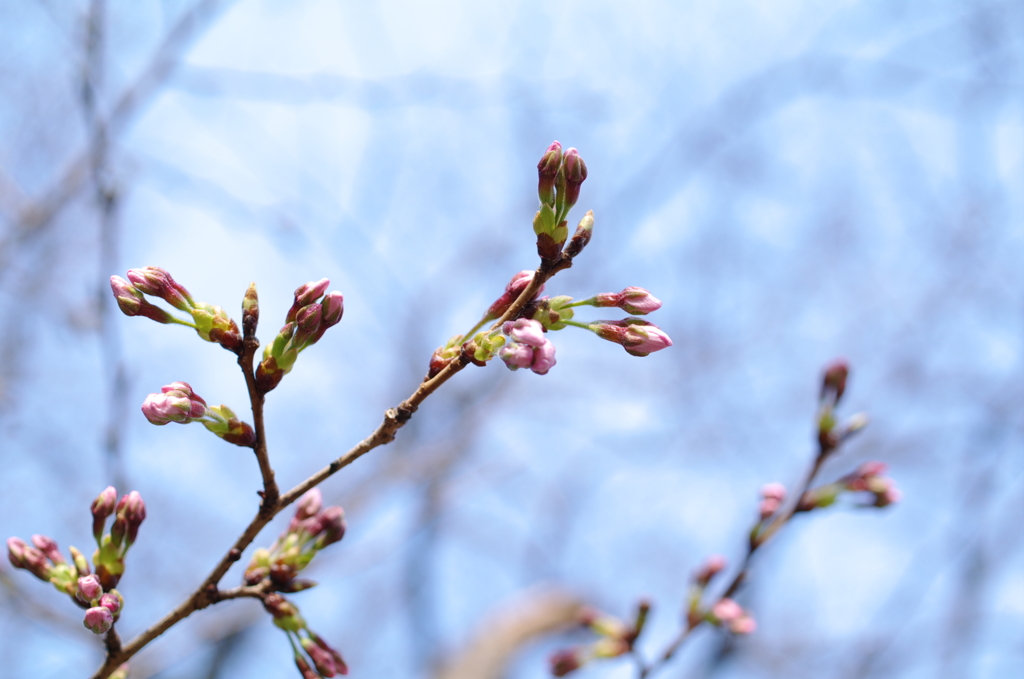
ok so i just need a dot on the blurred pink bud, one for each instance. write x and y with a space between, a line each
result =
308 505
306 295
98 620
89 589
339 662
872 469
711 567
768 507
48 546
547 170
155 281
29 558
565 661
304 669
526 331
833 382
322 660
637 337
773 491
332 523
889 496
744 624
726 610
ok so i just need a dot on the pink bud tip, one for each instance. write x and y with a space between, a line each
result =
773 491
98 620
89 589
743 625
726 610
526 331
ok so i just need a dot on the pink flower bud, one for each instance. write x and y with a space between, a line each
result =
89 589
306 295
632 300
526 331
333 306
176 403
98 620
637 337
322 660
575 172
339 663
29 558
155 281
872 469
565 661
580 239
514 288
102 507
726 610
773 491
113 602
308 505
768 507
516 355
543 358
547 170
833 383
744 624
48 546
129 300
332 523
304 669
711 567
132 511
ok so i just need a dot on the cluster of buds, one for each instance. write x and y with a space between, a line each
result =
558 188
616 639
869 477
309 317
93 591
176 402
310 530
210 322
725 613
831 432
316 658
528 348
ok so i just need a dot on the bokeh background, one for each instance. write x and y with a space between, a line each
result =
795 180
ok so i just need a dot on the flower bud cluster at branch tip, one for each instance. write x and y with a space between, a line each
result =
309 317
92 591
869 478
210 322
559 177
176 402
323 660
730 615
616 639
310 530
